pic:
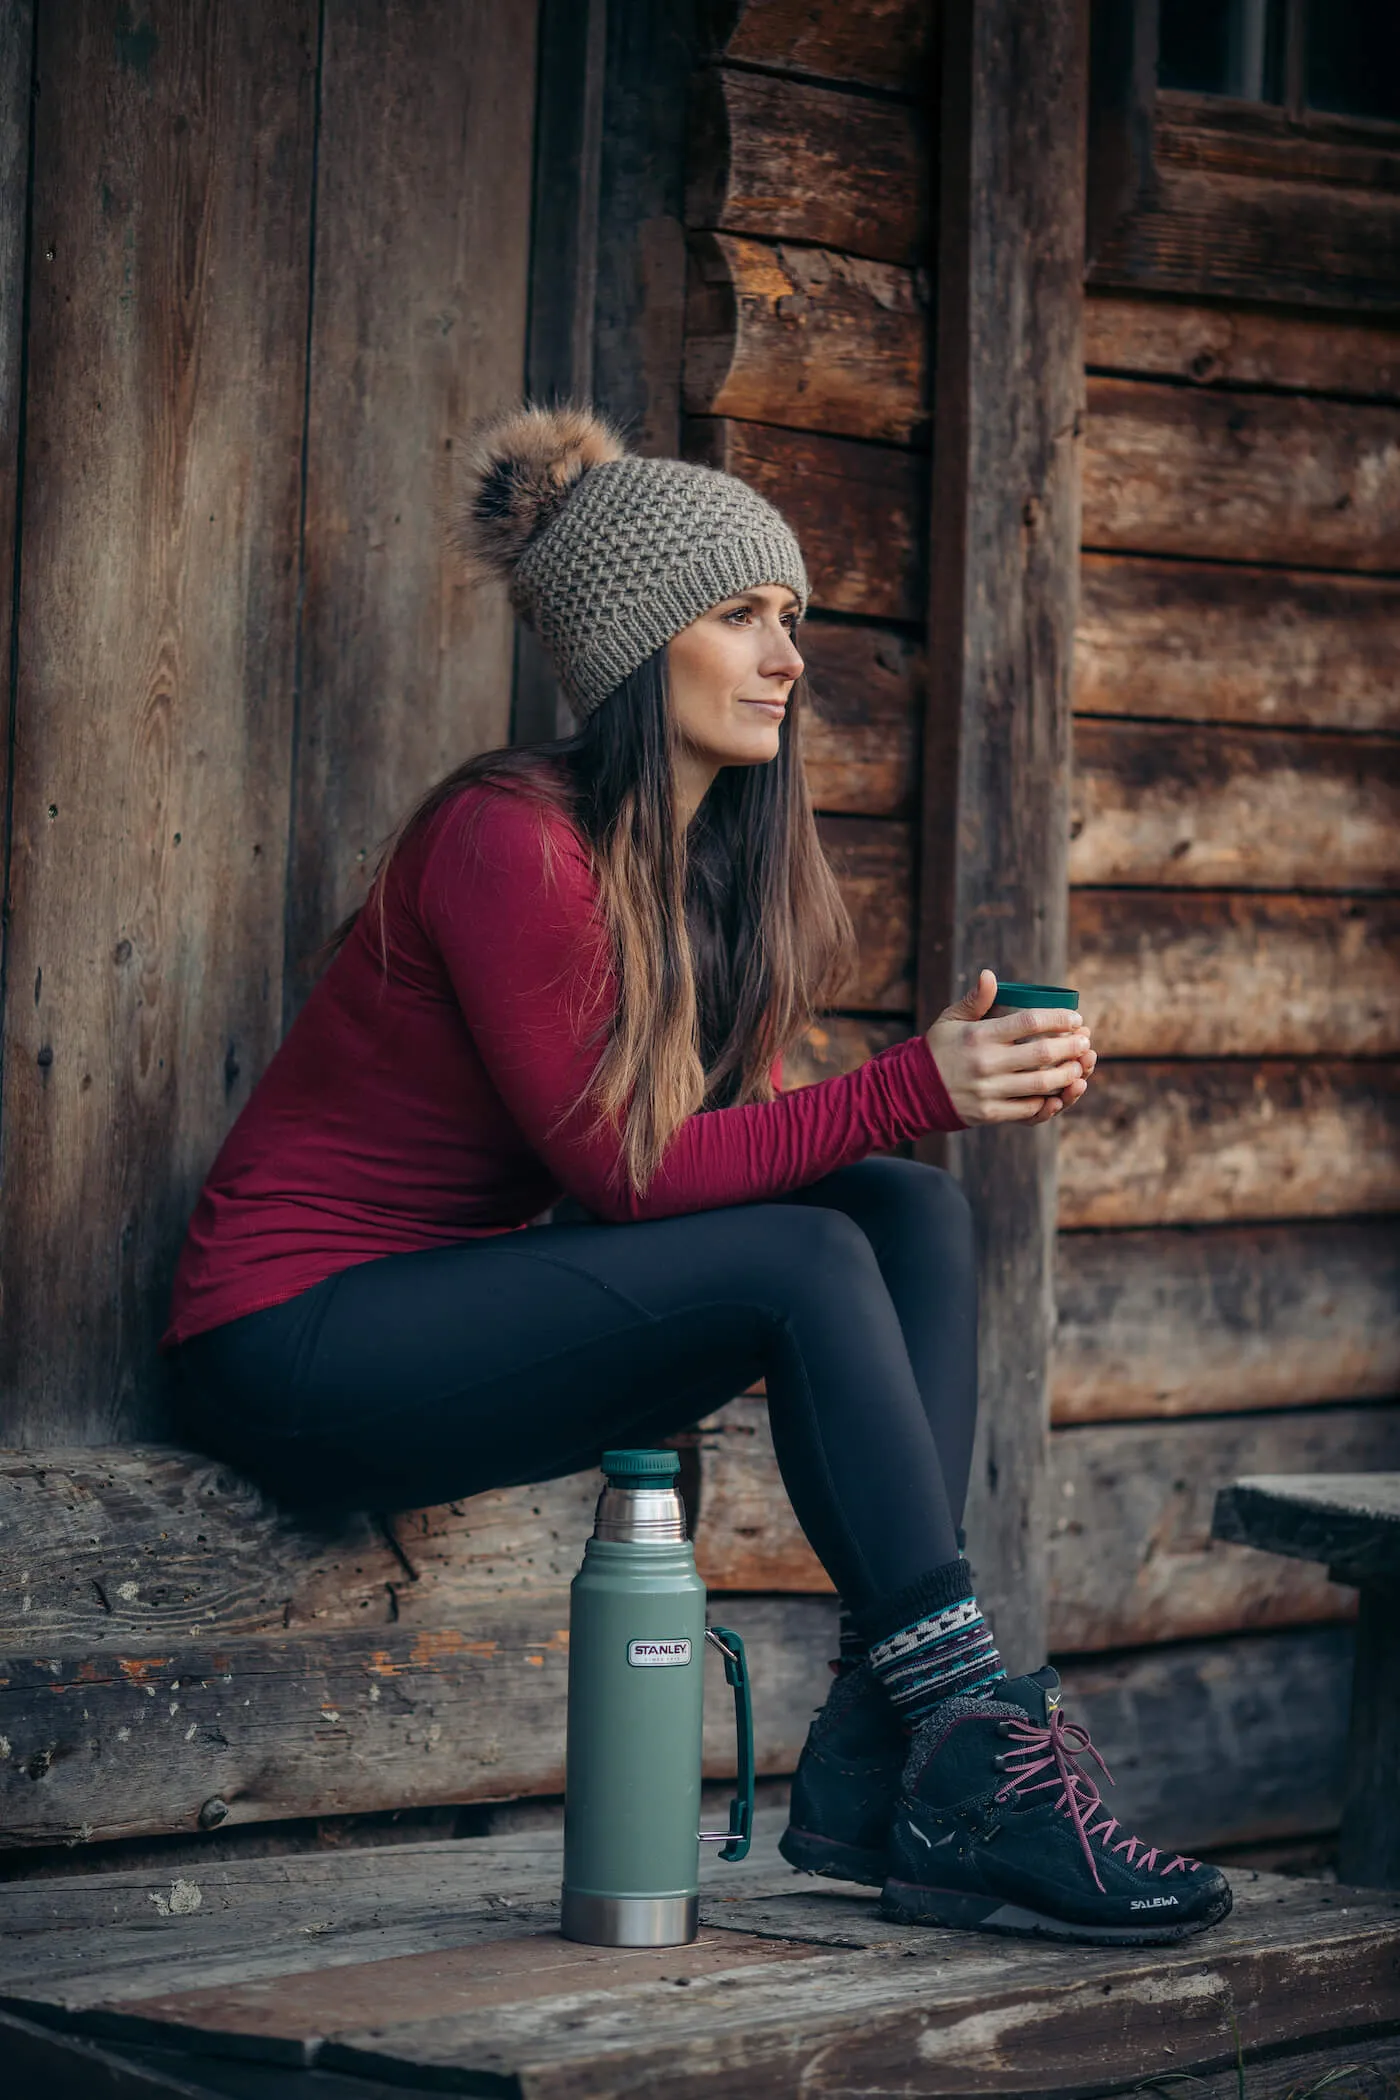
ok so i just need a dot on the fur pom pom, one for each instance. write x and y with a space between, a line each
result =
518 472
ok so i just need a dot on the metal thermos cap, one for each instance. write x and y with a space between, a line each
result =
640 1503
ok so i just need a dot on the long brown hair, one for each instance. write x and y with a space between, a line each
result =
727 940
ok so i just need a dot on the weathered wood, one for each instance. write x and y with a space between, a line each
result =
1180 1323
63 2067
885 43
860 733
1211 974
422 196
858 509
1202 642
1208 231
172 184
1241 346
1241 476
1001 610
334 1723
786 162
1237 808
1346 1517
838 1043
805 338
1369 1850
873 858
16 66
1206 1143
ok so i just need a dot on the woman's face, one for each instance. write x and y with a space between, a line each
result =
730 674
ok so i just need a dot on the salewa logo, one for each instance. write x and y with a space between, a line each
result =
657 1655
1153 1903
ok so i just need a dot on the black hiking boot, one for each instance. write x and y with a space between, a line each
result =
999 1830
847 1782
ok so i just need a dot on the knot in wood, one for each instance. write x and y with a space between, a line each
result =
213 1813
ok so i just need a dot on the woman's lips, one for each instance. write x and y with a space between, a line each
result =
776 708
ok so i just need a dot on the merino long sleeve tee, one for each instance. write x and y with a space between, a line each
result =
415 1099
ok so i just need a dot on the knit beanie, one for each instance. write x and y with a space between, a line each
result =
608 554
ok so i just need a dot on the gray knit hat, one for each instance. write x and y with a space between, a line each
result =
608 555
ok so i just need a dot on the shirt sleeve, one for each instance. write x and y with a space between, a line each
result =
529 959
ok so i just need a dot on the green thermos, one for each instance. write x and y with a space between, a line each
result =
637 1638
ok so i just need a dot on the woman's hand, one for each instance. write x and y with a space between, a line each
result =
1020 1068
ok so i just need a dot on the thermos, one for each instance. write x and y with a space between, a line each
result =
637 1637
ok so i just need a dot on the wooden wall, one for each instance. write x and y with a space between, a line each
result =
275 255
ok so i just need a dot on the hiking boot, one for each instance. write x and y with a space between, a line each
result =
998 1829
847 1782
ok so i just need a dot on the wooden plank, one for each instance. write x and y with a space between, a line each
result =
16 68
167 348
860 726
786 162
1233 808
1133 1560
1202 642
423 196
1342 1515
858 509
885 44
124 1744
1251 477
38 2061
1001 611
1241 346
1215 235
806 338
1207 1143
1224 974
873 858
838 1043
1234 1317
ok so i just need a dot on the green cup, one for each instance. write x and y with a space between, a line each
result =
1019 998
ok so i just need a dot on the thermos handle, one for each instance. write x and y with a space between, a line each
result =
737 1839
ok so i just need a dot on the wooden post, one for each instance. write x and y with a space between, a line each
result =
1008 396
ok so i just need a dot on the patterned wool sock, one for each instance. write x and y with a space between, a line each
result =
930 1642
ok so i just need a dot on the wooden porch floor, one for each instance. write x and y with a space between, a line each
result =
438 1967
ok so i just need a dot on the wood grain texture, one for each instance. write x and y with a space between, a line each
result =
860 734
1204 642
1218 1320
1001 610
1240 346
873 858
858 509
156 653
336 1723
1184 973
1205 1143
1225 807
16 66
806 338
1248 477
838 1043
422 197
787 162
1133 1560
1211 232
885 43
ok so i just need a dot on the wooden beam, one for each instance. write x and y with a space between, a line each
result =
873 858
889 44
1155 1323
860 734
1240 346
397 367
16 77
1214 1143
1203 641
156 661
1007 405
1208 808
1252 477
785 162
1182 973
806 337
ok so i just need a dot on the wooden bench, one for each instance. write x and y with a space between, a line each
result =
1351 1523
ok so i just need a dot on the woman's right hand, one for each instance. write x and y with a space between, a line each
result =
1020 1068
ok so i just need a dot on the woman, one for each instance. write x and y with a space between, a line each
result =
574 977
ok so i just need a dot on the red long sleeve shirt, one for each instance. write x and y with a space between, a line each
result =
413 1109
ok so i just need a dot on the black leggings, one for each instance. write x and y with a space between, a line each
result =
419 1378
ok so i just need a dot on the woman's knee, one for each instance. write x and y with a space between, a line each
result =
923 1192
798 1248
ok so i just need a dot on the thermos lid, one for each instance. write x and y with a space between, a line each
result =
640 1468
1028 995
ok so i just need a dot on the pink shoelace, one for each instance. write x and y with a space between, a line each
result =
1054 1749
